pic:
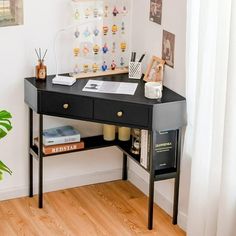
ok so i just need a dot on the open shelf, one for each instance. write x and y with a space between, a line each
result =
125 147
165 174
95 142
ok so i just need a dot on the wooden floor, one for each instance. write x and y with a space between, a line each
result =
113 209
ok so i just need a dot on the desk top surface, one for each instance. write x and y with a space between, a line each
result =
76 89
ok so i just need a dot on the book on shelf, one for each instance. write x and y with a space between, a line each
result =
165 149
145 142
60 135
59 148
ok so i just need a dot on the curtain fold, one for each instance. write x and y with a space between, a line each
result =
209 52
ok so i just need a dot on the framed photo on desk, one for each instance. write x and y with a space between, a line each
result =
155 70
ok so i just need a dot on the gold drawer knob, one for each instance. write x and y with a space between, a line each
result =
120 113
66 106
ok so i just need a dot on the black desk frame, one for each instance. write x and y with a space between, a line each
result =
37 153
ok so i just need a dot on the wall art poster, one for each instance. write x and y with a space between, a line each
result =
11 12
168 48
156 11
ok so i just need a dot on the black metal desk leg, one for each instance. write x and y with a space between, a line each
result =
40 155
30 156
176 192
151 185
125 168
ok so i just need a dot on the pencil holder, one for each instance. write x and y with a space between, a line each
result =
135 70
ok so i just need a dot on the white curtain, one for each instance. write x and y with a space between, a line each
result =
211 131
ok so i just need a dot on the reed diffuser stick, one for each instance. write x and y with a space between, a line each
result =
40 54
44 54
37 54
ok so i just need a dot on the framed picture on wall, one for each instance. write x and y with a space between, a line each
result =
168 48
11 12
156 11
155 70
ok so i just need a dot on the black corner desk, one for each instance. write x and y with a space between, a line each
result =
44 98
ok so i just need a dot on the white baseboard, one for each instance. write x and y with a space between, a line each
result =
63 183
159 198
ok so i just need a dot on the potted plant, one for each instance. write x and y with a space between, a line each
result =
5 127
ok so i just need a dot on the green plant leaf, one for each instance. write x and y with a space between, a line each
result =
2 133
4 168
5 115
5 124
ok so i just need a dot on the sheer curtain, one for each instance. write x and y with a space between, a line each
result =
211 131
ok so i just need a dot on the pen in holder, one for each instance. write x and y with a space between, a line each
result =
135 70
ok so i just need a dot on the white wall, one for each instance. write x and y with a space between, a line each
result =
17 59
147 37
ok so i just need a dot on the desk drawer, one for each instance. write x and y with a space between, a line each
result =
124 113
66 105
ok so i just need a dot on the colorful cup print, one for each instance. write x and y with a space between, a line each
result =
86 68
105 48
95 12
76 15
87 13
105 30
87 33
96 49
95 67
104 66
113 65
96 32
85 50
76 69
76 52
123 46
115 12
106 11
77 33
122 61
114 29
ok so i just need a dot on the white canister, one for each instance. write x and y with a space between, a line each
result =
124 134
109 132
153 90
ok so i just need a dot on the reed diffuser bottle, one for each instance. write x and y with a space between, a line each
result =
40 69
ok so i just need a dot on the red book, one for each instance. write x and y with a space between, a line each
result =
65 147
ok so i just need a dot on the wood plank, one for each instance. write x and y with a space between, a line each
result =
111 209
117 71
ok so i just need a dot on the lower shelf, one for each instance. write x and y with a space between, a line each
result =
96 142
93 142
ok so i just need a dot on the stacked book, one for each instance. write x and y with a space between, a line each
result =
60 139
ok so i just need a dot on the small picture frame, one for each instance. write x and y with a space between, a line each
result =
155 11
155 70
168 48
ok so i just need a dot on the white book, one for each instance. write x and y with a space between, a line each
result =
63 80
59 135
144 156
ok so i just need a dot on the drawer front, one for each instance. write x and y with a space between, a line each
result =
119 112
66 105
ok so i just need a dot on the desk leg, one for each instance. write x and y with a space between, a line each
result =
125 168
30 156
176 191
151 185
40 156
